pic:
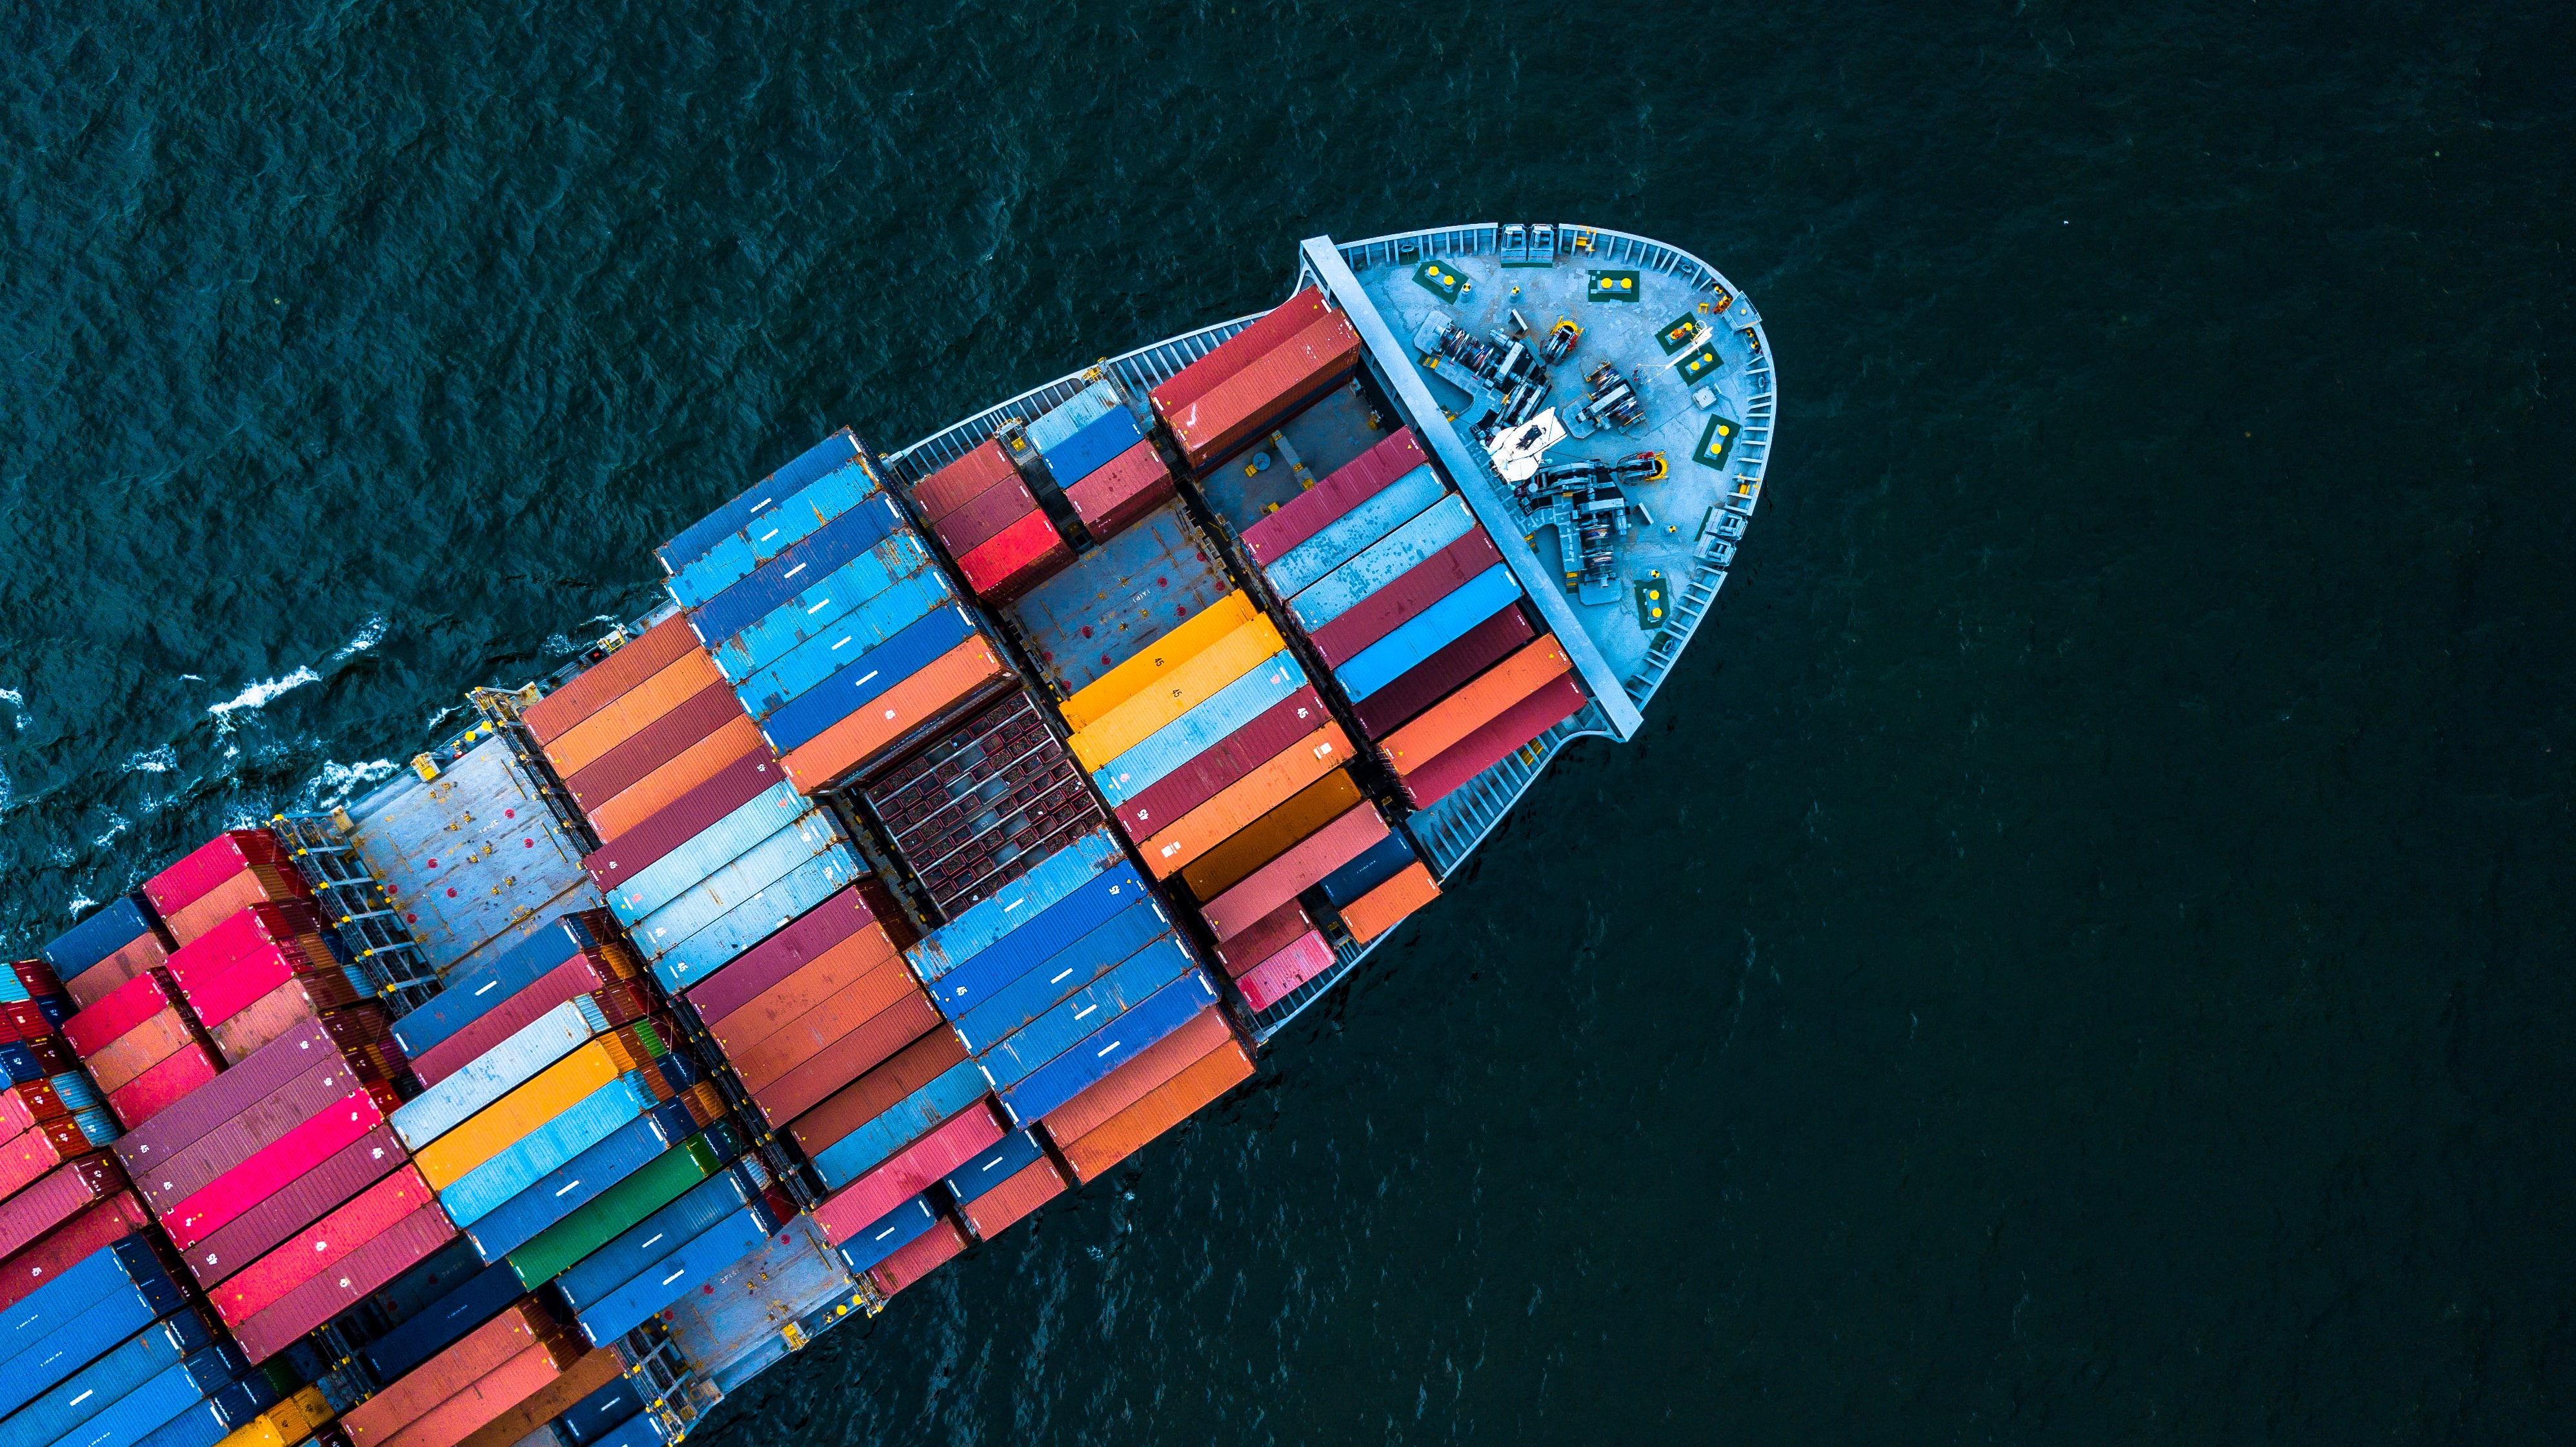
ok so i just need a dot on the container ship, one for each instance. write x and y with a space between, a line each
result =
971 815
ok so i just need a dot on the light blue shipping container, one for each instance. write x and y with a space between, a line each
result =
1201 728
1049 1086
203 1424
127 1308
1073 414
666 1280
748 506
872 625
1427 632
1014 1003
757 918
1407 496
30 1324
1063 929
1084 1011
788 723
589 1280
584 1124
993 1165
1383 561
740 554
493 1074
710 849
888 1234
819 607
745 875
832 546
132 1419
119 1372
907 1120
579 1181
1087 451
1018 902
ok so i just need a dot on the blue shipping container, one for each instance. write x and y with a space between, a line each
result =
710 849
443 1322
1037 938
807 614
1084 1011
668 1279
67 1404
600 1413
493 1074
1057 426
1383 561
756 919
1376 865
82 1285
833 546
577 1182
888 1234
1427 632
793 710
993 1165
203 1424
470 996
128 1420
586 1123
127 1308
1300 566
1083 454
872 627
592 1278
738 879
1212 720
822 459
119 924
864 1149
1123 1039
1011 1005
1025 898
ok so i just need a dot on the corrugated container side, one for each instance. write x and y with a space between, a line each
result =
1089 450
1292 873
1015 560
1238 753
308 1198
985 515
612 819
123 1008
406 1400
675 1275
1282 323
631 712
1011 1005
1480 702
1227 711
1112 1045
1275 977
1414 542
112 1220
1425 684
453 1100
643 656
846 747
1373 868
960 482
583 1179
1162 1108
829 549
918 1257
712 848
818 685
993 1165
900 565
252 1028
581 975
549 1144
31 1153
878 1091
1348 536
1139 1076
84 1283
266 1281
110 928
579 1400
450 1422
1066 1025
756 918
865 952
1271 835
1268 935
1121 491
1045 929
760 503
1386 906
790 843
907 1120
145 952
773 535
850 1211
1420 586
1354 482
1556 701
445 1158
813 935
1158 658
272 1169
997 1210
258 884
617 1210
1032 894
1426 633
738 782
889 1233
834 1013
682 1219
130 1055
173 1178
1236 806
806 1084
1176 691
654 745
469 995
1234 411
361 1273
1058 424
179 1347
209 864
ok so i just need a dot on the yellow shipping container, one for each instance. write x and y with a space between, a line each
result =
505 1122
285 1424
1177 692
1161 656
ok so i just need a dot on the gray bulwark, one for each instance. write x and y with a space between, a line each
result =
1467 469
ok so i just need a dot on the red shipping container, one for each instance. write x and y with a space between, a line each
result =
419 1391
37 976
173 1178
962 481
1383 908
908 1173
330 1293
995 1211
1236 352
1139 1077
146 952
452 1422
128 1056
876 1092
69 1244
984 518
1230 758
846 1059
210 864
257 884
1318 507
252 977
370 1213
1016 559
813 934
56 1198
583 974
866 956
308 1199
683 819
1121 491
1236 410
952 682
640 659
1272 980
228 1095
1558 701
1436 677
123 1008
164 1085
30 1103
1293 873
32 1152
244 930
1273 933
1420 586
23 1020
918 1257
1485 697
272 1168
655 744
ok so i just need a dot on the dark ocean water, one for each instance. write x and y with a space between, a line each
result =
2082 950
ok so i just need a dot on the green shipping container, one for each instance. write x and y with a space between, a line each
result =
567 1241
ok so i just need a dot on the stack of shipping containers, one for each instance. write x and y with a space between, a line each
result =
992 524
1101 460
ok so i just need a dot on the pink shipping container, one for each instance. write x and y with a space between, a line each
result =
61 1195
361 1272
164 1085
209 865
372 1212
238 985
1267 936
1271 981
174 1178
307 1199
910 1172
228 1095
809 938
1352 483
273 1168
1291 874
30 1103
32 1152
69 1244
123 1008
211 953
1121 491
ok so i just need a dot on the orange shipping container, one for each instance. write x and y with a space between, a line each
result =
618 720
864 953
1166 1106
1382 908
1177 690
418 1391
737 740
497 1126
1271 835
874 1093
495 1392
139 1049
1477 704
847 1058
1160 657
551 717
1293 873
951 679
595 1370
1238 804
1138 1078
254 885
853 1006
